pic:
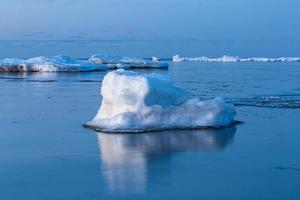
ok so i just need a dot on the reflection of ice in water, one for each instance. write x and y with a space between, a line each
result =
125 157
43 76
30 77
123 167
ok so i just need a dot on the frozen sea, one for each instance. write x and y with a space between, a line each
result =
45 153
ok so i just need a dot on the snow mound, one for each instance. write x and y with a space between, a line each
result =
128 62
48 64
178 58
134 102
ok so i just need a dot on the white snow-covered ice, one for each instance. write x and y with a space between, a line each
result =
178 58
154 58
145 102
128 62
100 62
66 64
48 64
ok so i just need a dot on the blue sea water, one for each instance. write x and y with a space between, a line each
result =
45 153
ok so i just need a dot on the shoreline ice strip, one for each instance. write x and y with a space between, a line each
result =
135 102
178 58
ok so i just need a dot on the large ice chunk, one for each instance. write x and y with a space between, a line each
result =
146 102
126 62
48 64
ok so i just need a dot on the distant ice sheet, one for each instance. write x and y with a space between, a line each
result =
134 102
178 58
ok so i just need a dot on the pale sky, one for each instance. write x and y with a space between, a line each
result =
155 19
244 21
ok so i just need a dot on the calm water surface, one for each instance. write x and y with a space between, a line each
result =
45 153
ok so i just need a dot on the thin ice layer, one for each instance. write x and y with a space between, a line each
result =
143 102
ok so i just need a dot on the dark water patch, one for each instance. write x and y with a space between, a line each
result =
41 81
87 81
135 131
269 101
287 168
12 78
28 80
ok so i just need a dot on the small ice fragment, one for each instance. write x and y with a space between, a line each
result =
177 58
154 58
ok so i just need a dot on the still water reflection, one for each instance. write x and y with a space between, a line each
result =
126 158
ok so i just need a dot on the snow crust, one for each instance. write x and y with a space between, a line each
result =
178 58
134 102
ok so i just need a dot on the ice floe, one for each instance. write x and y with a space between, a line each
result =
48 64
134 102
178 58
62 63
130 62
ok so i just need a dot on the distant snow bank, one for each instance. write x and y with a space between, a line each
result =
178 58
134 102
